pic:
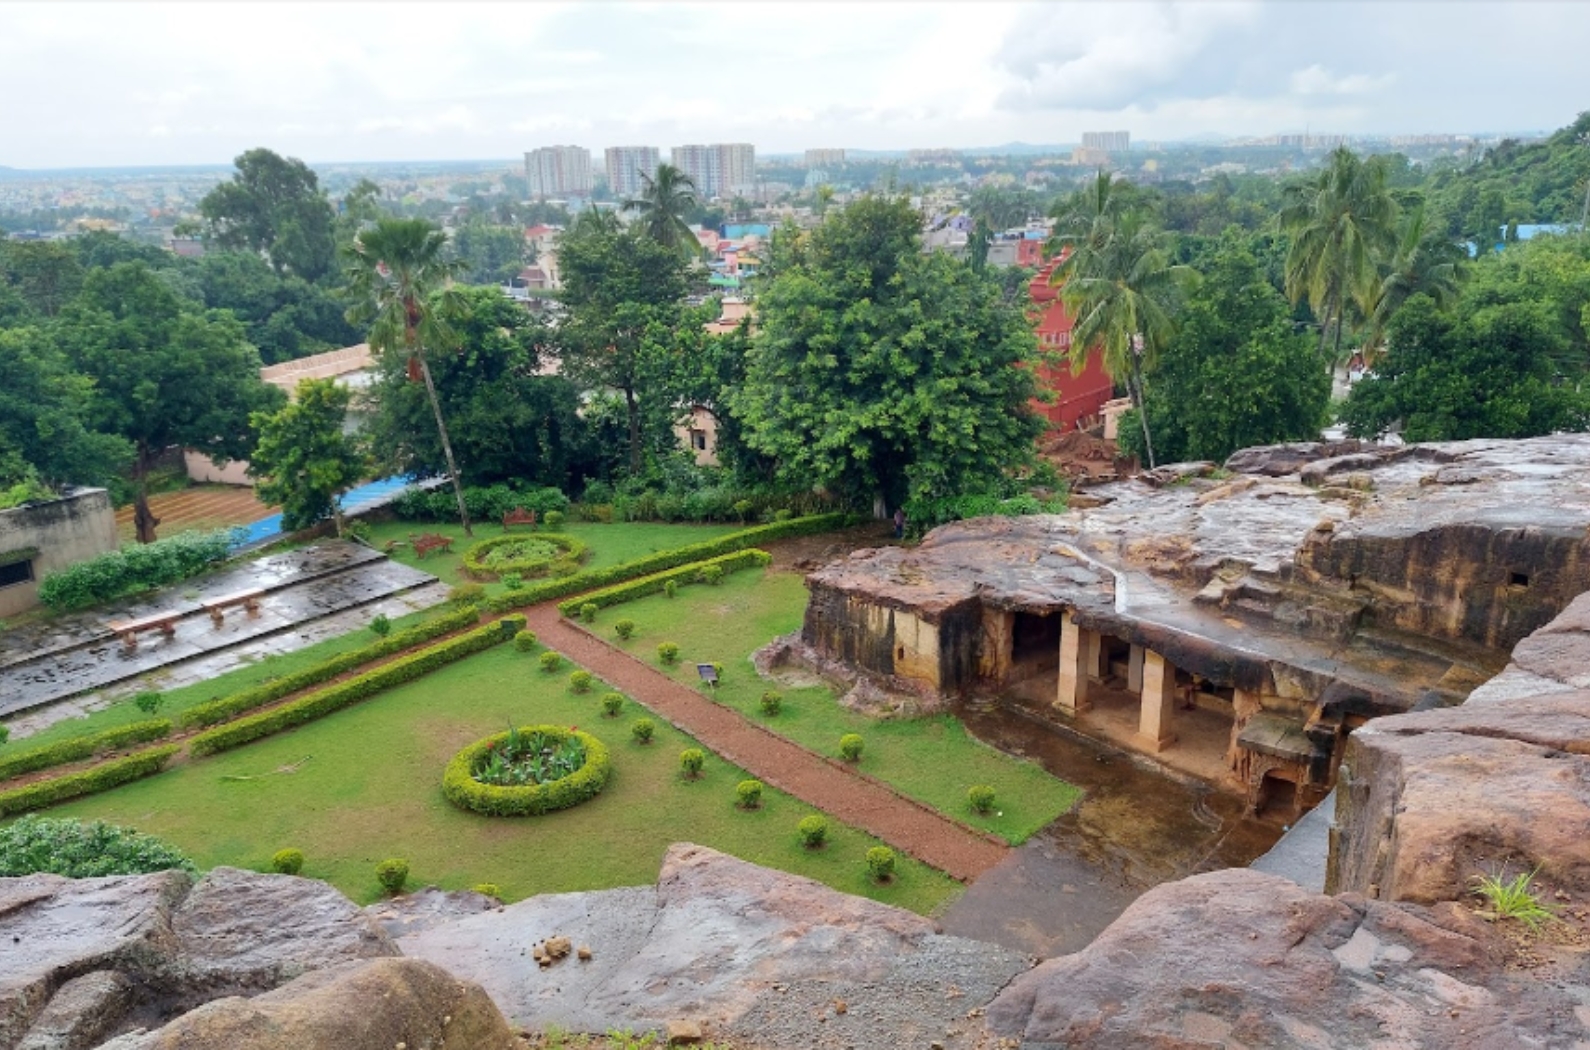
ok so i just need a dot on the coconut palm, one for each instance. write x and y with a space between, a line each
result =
400 280
1426 262
1342 222
662 205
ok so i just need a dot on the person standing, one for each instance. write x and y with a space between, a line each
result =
899 523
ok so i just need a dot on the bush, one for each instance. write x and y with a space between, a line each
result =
380 625
671 588
743 507
551 660
487 889
981 798
5 733
287 861
544 554
693 573
772 702
580 681
813 831
483 504
136 567
102 777
513 581
642 730
625 629
781 516
588 612
392 873
524 641
712 574
553 519
462 789
880 863
749 793
74 749
35 844
226 708
612 704
668 652
691 759
335 698
465 594
850 746
149 702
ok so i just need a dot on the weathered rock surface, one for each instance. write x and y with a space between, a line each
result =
380 1004
746 952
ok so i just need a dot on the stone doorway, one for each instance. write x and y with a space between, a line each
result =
1035 648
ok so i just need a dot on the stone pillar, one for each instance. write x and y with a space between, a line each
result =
1093 656
1134 670
1072 695
1159 701
1244 705
995 648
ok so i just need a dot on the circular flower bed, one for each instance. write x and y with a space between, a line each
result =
544 554
527 770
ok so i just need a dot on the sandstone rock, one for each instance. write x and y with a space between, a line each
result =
1280 460
377 1004
682 1033
410 912
81 1013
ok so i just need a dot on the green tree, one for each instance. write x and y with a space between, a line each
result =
665 199
273 205
491 254
883 373
400 281
164 374
304 459
1236 373
1425 261
45 275
1342 223
45 417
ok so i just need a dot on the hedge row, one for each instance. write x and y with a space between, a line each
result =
58 754
334 698
657 582
463 790
571 552
226 708
662 560
74 785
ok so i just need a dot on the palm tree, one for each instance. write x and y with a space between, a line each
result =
662 205
1342 222
1426 262
401 282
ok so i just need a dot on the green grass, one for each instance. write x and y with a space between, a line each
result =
180 699
933 760
371 789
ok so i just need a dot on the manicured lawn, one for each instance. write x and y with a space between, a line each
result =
933 760
370 788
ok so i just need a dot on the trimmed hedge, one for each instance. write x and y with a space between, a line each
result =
75 785
571 552
136 567
655 583
62 752
464 791
663 560
226 708
316 705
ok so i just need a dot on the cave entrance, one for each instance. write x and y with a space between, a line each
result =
1035 646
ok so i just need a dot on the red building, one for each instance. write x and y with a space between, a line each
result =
1078 395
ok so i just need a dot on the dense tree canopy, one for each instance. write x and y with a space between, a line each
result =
46 422
304 459
273 206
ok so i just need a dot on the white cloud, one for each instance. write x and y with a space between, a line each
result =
1317 80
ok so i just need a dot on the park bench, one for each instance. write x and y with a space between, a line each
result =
423 545
248 599
518 516
164 622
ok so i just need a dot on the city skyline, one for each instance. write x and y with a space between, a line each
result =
495 81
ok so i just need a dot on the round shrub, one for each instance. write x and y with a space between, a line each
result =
551 660
772 702
544 554
149 702
553 519
520 800
625 629
850 746
813 831
783 515
880 863
524 641
671 588
580 681
711 574
392 873
642 730
668 652
981 798
77 850
287 861
691 759
5 734
487 889
466 594
742 507
513 581
612 704
380 625
588 612
749 793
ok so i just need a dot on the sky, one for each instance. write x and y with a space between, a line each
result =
129 83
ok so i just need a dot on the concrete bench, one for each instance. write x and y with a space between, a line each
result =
164 622
248 599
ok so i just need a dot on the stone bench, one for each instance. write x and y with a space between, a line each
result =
164 622
248 599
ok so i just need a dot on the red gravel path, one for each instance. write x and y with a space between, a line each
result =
905 824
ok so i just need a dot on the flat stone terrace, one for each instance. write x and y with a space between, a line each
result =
68 656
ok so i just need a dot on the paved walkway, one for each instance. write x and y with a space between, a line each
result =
903 823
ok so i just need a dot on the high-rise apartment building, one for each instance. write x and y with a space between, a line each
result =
625 166
720 170
559 171
1108 141
825 158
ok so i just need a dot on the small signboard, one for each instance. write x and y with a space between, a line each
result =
708 673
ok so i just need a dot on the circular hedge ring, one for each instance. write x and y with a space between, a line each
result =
462 789
538 554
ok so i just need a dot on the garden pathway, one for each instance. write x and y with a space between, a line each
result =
904 823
